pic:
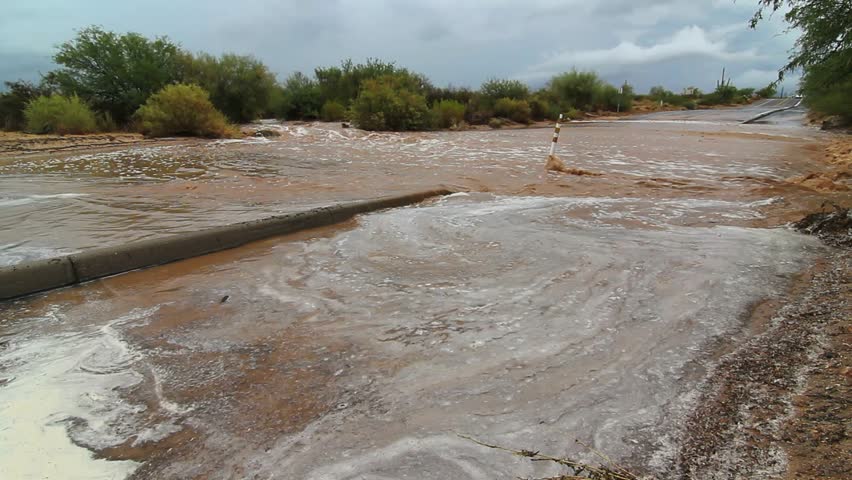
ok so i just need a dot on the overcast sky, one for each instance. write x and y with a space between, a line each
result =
675 43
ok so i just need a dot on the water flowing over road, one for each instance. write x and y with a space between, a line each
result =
60 203
529 309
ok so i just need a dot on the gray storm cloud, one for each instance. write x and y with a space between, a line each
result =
670 42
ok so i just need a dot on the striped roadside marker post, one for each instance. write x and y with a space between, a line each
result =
555 136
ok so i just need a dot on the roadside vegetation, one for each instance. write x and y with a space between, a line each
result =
823 52
58 114
125 81
182 110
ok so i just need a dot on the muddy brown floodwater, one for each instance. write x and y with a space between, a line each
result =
528 310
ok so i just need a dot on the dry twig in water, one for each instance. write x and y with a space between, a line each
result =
578 470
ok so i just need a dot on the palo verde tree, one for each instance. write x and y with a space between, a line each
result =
823 52
114 73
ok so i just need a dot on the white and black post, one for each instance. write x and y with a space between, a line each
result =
555 136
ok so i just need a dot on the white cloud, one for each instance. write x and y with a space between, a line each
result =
690 41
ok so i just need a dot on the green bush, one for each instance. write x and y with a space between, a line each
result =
539 108
768 91
828 91
302 98
58 114
343 84
723 95
389 103
495 123
332 111
462 95
658 94
15 100
182 110
574 114
690 105
240 86
496 89
106 122
606 98
447 113
577 89
515 110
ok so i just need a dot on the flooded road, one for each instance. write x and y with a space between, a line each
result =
529 311
362 353
62 203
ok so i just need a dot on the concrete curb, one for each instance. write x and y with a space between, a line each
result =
770 112
39 275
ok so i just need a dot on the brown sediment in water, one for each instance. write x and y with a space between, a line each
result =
257 381
271 386
823 181
555 164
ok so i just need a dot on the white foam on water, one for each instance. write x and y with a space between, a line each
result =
12 201
65 393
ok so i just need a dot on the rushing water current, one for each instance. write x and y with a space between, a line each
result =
363 353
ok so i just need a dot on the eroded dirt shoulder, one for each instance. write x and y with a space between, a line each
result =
780 403
818 440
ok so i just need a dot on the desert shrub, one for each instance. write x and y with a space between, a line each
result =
539 108
14 101
723 95
690 105
344 83
495 123
105 122
332 111
240 86
461 95
302 98
478 112
59 114
515 110
576 89
182 110
495 89
746 92
574 114
447 113
606 98
768 91
390 103
658 94
625 97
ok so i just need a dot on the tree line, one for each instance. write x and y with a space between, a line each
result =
108 81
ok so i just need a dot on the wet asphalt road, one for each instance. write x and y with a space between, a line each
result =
728 115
